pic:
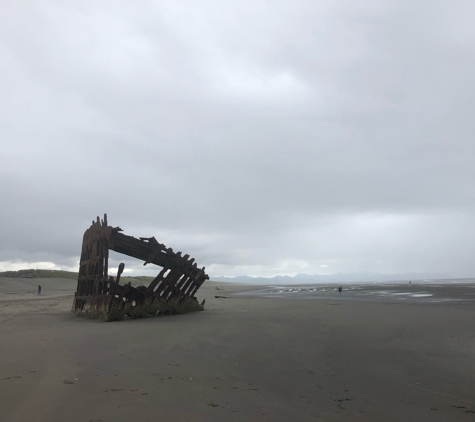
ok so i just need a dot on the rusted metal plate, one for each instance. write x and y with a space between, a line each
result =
99 295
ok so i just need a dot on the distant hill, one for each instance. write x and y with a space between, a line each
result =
279 279
35 273
136 281
330 278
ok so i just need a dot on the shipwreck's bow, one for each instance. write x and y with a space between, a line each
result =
100 296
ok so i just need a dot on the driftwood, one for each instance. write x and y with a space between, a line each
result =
99 295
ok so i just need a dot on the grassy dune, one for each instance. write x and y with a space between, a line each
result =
36 273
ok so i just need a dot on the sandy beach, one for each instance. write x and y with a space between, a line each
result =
245 358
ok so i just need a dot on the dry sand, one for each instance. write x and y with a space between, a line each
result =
243 359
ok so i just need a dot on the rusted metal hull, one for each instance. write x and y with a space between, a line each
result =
99 295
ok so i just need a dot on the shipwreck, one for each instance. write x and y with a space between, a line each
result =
99 295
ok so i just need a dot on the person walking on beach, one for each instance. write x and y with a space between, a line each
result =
39 290
340 289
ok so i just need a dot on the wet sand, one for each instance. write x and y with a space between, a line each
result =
246 358
421 293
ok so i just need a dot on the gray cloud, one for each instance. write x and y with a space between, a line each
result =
260 137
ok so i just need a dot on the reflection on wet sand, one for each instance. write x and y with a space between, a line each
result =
397 292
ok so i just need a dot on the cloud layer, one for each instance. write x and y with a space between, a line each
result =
260 137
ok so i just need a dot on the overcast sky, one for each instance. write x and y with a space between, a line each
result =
261 137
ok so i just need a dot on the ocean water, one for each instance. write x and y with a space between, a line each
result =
423 291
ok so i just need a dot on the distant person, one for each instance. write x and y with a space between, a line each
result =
39 290
340 289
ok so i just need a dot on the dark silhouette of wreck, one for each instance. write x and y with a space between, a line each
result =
100 296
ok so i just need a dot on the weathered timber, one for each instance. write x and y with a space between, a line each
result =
99 295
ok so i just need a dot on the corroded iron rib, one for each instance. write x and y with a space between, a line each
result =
99 295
